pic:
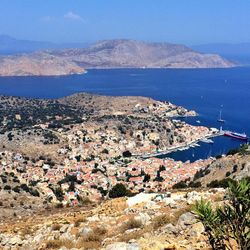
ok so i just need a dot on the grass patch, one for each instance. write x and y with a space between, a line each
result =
161 220
93 240
131 224
79 220
126 237
56 244
26 231
164 219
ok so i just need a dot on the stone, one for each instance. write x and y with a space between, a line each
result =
123 246
93 218
196 230
151 205
185 220
64 228
169 229
117 246
38 238
143 218
15 240
85 231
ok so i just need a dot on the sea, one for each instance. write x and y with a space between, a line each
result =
207 91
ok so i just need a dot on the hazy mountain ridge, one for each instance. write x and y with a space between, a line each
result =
224 48
120 53
11 45
238 52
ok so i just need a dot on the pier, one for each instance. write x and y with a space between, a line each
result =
181 147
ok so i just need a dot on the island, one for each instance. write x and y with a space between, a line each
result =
120 53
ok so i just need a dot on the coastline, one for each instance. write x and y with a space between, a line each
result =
179 147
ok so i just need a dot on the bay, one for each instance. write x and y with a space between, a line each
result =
203 90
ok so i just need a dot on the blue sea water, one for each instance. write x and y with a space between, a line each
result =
203 90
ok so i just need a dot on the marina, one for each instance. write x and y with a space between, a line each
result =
185 87
192 144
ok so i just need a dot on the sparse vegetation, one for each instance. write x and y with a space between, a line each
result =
132 223
230 223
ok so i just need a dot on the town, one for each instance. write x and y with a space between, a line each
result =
106 148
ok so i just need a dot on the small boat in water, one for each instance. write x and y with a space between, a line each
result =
236 135
220 118
206 140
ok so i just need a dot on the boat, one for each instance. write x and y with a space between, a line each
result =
220 119
198 121
206 140
235 135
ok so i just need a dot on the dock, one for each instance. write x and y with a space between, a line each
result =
181 147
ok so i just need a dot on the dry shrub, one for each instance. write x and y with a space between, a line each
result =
161 220
26 231
179 212
85 200
56 244
87 245
79 220
131 224
96 235
55 227
126 237
92 240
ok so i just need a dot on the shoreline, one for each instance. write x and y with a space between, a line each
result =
180 147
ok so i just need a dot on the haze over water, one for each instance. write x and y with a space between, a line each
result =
203 90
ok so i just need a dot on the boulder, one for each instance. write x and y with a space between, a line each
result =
185 220
64 228
85 231
143 218
169 229
139 198
197 230
15 240
123 246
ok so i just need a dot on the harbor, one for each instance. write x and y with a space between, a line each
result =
195 146
192 144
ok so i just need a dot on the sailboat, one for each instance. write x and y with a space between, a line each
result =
219 118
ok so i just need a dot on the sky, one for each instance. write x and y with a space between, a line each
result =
180 21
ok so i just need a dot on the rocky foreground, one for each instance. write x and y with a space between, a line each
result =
146 221
109 54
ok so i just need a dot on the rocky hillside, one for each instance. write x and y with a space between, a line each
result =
146 221
110 54
233 166
38 64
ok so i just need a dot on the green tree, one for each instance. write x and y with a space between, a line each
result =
229 222
119 190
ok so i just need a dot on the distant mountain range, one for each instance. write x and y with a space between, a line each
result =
10 45
121 53
238 52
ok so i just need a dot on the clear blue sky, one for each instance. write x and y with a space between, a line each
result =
182 21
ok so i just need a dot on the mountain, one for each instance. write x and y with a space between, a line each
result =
239 51
10 45
130 53
110 54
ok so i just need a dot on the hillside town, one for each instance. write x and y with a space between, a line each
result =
111 145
